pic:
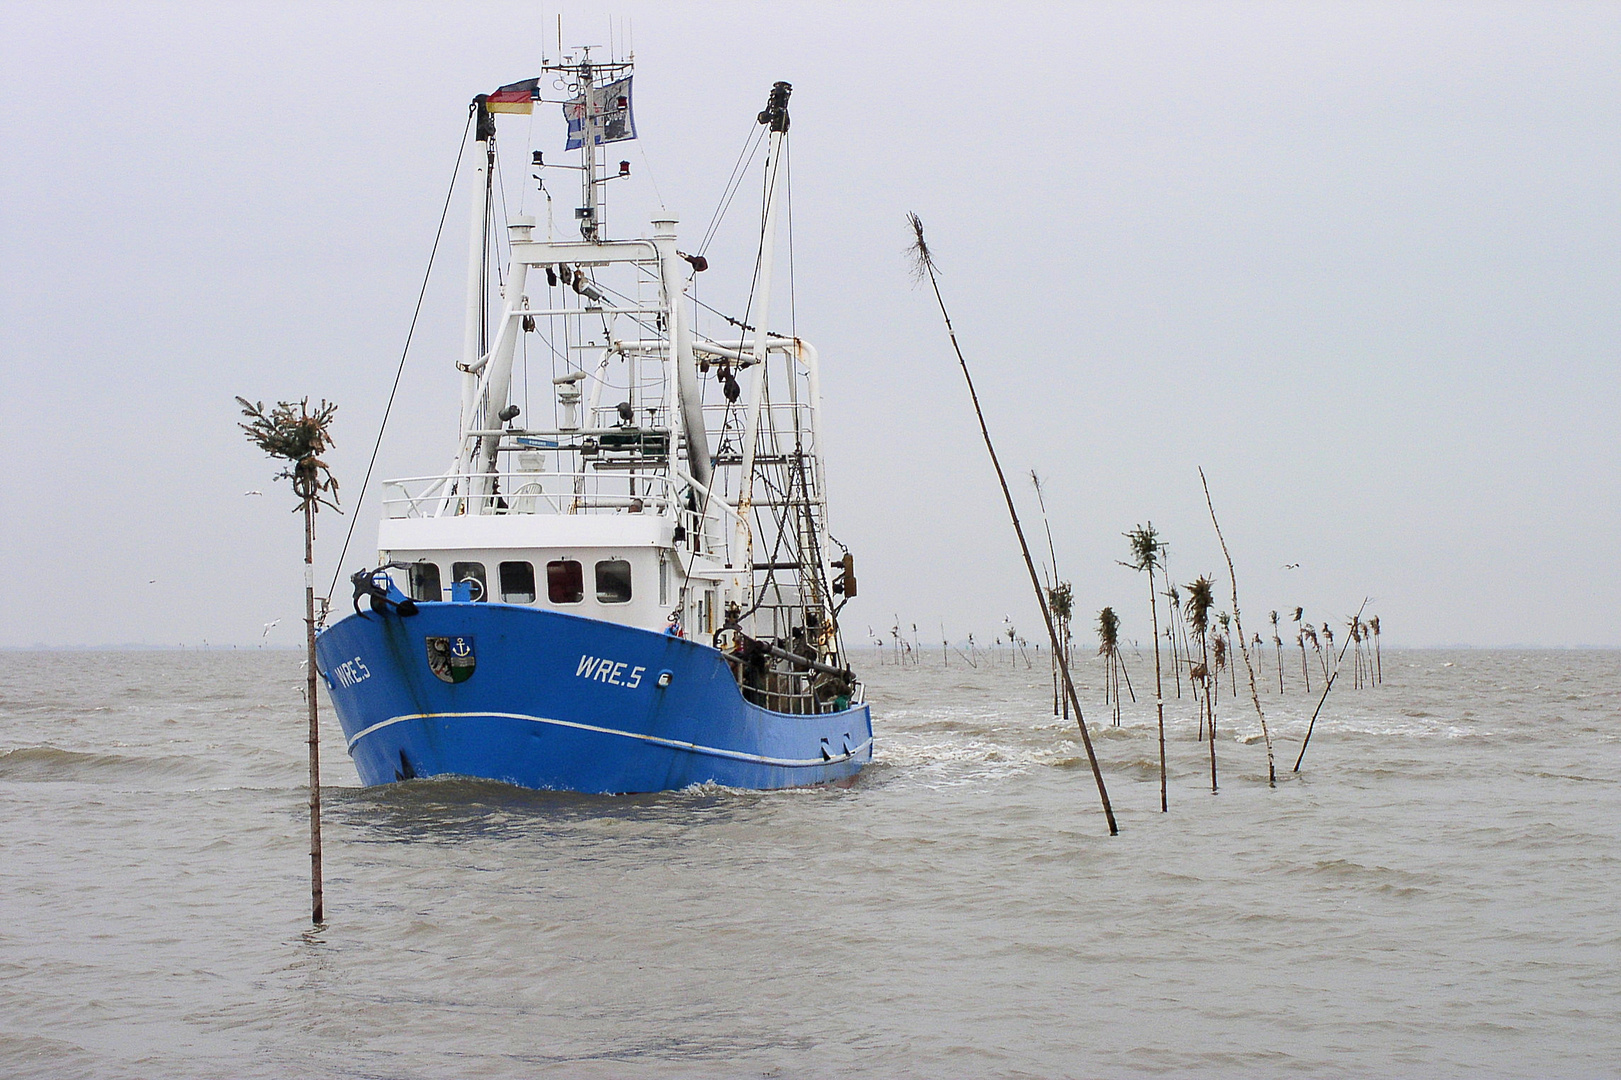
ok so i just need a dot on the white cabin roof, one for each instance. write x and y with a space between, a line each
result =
487 531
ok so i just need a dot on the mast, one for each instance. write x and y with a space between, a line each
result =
477 259
489 363
776 115
590 227
497 380
684 386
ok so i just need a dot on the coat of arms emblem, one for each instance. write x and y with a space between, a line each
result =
452 658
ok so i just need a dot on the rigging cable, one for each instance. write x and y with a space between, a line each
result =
730 413
528 151
740 168
647 164
819 571
762 382
400 369
502 235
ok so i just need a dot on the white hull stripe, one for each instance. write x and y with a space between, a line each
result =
675 744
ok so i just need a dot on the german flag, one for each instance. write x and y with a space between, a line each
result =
518 97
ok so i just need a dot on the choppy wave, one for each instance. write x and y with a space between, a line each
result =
44 764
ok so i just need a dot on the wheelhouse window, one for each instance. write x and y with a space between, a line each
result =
517 583
613 581
473 574
565 582
425 582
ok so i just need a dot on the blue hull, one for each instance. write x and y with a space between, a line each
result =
556 701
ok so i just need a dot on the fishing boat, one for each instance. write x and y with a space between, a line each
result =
634 587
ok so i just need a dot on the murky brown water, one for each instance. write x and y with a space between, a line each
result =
1435 896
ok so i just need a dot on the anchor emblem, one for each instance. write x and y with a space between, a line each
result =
452 659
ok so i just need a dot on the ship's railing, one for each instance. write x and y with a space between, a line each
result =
567 493
529 492
787 691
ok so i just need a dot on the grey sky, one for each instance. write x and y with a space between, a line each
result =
1359 261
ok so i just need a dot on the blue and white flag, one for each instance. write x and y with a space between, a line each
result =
609 115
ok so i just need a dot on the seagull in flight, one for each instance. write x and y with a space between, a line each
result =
1291 566
253 493
269 626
